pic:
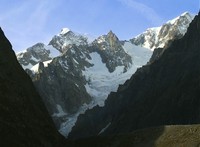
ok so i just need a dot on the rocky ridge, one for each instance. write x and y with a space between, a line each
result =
111 51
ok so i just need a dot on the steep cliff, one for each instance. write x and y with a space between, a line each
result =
24 120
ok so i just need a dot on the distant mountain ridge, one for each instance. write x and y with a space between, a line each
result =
158 37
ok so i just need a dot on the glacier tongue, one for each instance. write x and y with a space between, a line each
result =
102 82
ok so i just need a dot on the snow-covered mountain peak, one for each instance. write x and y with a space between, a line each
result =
159 37
64 31
186 16
66 38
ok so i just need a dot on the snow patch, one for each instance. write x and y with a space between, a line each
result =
64 31
46 63
101 39
75 61
35 68
76 85
103 130
60 112
29 66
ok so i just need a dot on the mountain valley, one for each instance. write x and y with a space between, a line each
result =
106 91
72 74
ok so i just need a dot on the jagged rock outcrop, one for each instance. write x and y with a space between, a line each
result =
164 92
111 51
158 37
24 120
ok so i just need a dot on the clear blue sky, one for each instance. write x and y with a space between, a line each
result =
27 22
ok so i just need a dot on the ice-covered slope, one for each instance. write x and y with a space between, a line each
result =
101 82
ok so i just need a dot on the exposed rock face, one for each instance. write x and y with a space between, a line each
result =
164 92
159 37
112 52
61 83
24 120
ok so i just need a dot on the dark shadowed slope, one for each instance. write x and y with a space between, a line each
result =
163 93
24 120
